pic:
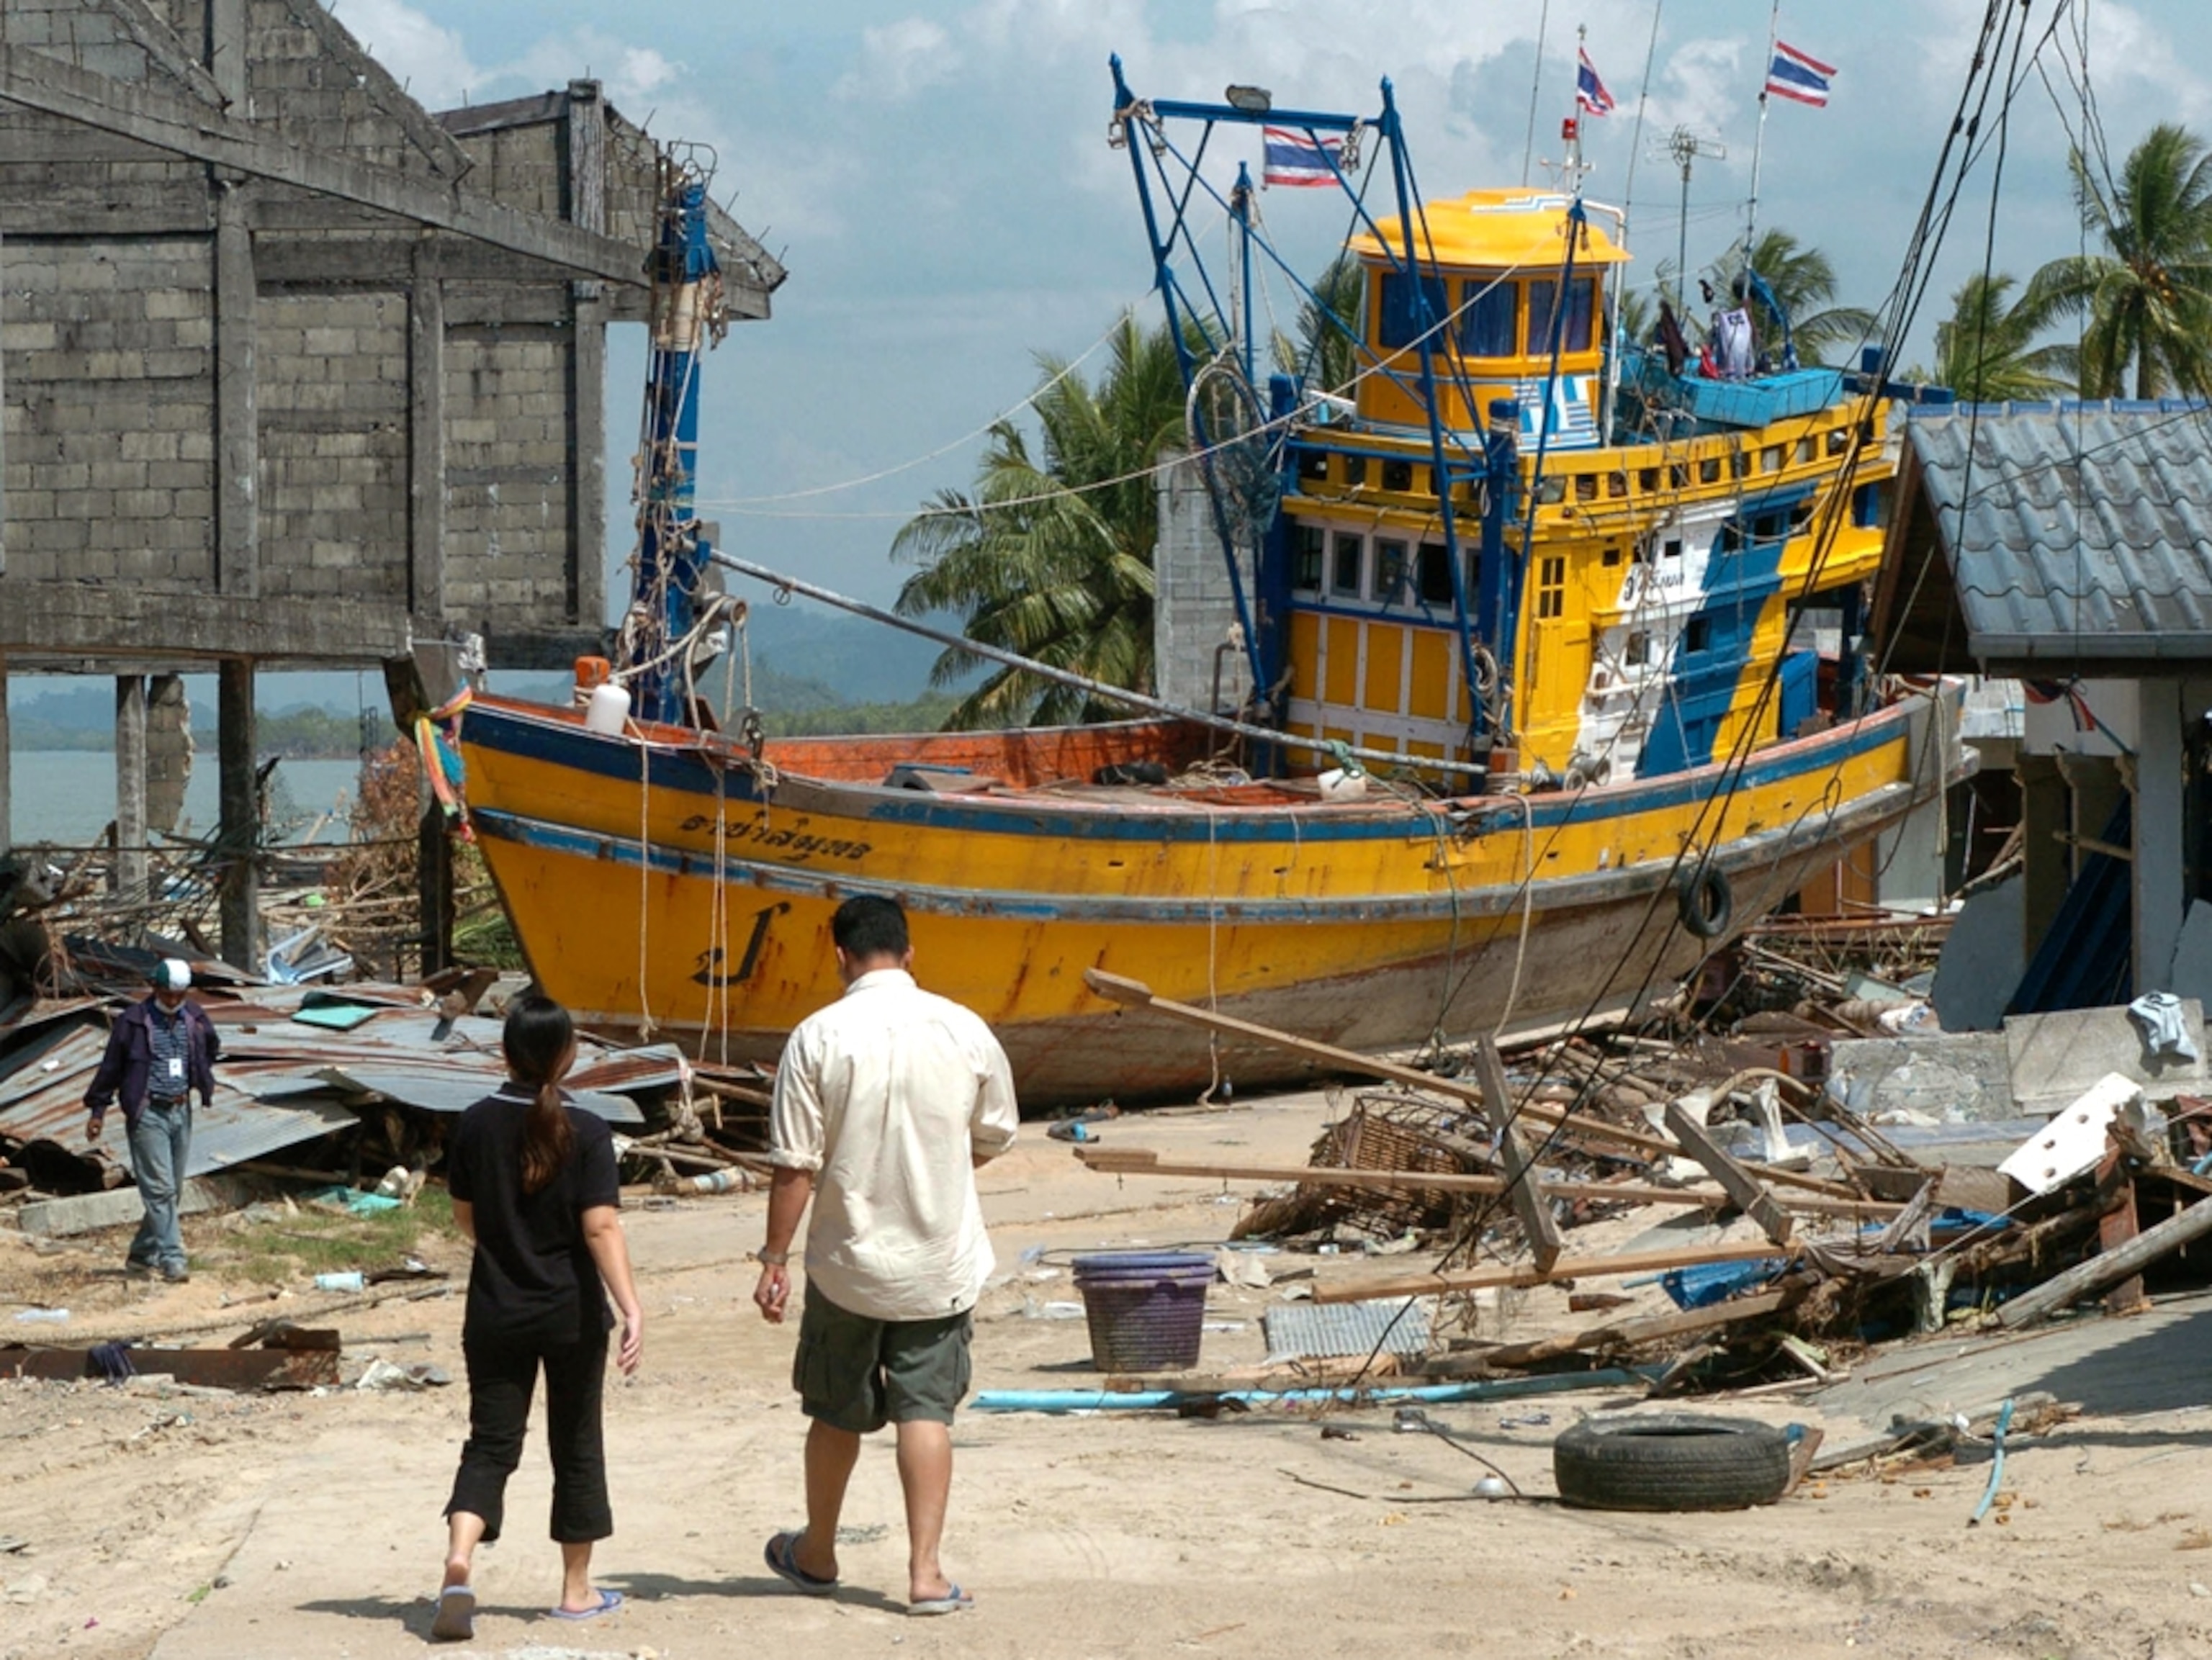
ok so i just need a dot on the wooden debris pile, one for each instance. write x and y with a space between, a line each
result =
1842 1238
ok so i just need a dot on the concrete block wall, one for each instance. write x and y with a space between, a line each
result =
507 479
306 70
332 398
1194 606
109 410
91 38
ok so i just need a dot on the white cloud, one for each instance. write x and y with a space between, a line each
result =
431 62
898 61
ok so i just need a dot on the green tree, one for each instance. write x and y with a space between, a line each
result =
2146 299
1327 349
1804 283
1050 553
1985 352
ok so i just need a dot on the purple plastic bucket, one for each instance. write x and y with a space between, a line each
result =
1147 1308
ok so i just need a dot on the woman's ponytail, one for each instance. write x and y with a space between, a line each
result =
539 1040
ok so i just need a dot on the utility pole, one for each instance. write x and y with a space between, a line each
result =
1686 147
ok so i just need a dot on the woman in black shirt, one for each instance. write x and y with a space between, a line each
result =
533 1184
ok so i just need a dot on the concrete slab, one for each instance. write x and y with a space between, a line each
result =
88 1213
2192 955
2158 1361
1957 1078
2054 1057
1982 961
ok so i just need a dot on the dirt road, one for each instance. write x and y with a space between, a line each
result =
268 1527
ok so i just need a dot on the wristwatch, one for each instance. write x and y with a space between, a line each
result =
768 1258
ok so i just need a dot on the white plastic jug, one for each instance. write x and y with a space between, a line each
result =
608 711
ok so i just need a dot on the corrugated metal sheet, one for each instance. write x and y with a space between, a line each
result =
2076 532
1309 1331
450 1092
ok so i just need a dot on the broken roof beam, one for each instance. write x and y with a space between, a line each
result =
181 126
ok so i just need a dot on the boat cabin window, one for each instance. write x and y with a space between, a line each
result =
1673 549
1355 471
1585 487
1647 478
1313 466
1616 485
1435 576
1398 476
1871 506
1770 458
1581 310
1307 549
1697 635
1638 654
1344 574
1402 324
1611 556
1489 318
1551 490
1709 470
1390 572
1839 441
1552 586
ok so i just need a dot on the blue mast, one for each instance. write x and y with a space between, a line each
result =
666 594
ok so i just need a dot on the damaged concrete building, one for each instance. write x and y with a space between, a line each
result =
297 373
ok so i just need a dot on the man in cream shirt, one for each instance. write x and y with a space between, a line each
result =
885 1103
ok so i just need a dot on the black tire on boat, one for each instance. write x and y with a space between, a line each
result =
1707 904
1671 1461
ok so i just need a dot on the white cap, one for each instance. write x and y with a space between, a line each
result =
173 975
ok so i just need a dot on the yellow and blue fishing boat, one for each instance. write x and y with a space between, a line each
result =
1551 670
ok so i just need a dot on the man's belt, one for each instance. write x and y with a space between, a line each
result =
165 1102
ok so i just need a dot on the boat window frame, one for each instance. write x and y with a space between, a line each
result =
1580 335
1299 531
1479 301
1393 566
1356 543
1398 320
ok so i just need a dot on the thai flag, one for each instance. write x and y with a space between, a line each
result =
1299 158
1589 91
1794 75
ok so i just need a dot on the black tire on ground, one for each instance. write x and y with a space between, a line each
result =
1671 1461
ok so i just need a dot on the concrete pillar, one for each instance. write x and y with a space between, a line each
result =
238 445
2160 892
239 836
426 445
127 881
7 805
2046 862
584 203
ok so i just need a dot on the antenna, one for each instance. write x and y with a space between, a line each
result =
1686 147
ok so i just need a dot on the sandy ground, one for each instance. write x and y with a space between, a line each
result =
207 1527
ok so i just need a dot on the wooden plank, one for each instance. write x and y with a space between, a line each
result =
1117 1160
2117 1225
2085 1279
1754 1200
1645 1329
1135 994
1530 1207
1567 1268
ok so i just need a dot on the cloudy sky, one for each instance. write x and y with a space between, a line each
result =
936 176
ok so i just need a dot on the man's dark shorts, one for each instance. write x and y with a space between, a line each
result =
858 1374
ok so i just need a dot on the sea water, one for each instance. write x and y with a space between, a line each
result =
66 797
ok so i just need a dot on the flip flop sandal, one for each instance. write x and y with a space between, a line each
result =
457 1615
782 1558
952 1604
608 1603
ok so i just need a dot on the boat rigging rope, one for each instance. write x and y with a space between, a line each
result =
1528 910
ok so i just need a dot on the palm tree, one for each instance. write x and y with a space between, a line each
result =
1985 351
1803 282
1327 349
2148 297
1051 553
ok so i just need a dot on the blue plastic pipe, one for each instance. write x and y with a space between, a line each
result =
1155 1399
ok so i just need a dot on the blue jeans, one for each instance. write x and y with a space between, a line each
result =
161 1145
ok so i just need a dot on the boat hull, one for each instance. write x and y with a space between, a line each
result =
1371 926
